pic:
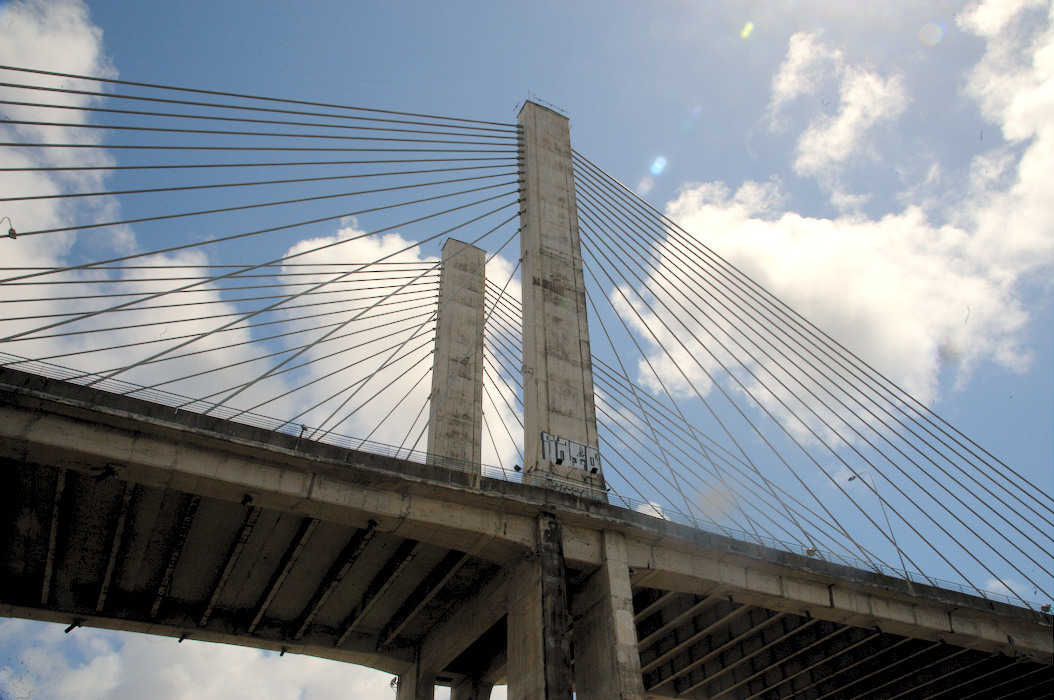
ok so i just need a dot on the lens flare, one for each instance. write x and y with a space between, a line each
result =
931 33
645 185
658 166
747 30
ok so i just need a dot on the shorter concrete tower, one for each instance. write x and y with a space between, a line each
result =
455 429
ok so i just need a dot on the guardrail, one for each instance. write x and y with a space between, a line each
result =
576 488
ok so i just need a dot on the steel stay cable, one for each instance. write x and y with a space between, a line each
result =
479 133
409 391
192 166
298 200
441 305
388 364
270 262
258 183
247 149
207 302
821 340
884 437
276 353
715 383
428 371
610 447
234 329
493 442
746 482
915 447
385 257
848 443
272 306
268 134
651 368
600 363
332 373
273 229
686 378
216 93
773 421
143 324
494 404
514 323
644 414
362 383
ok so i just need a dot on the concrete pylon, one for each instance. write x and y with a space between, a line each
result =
455 428
560 427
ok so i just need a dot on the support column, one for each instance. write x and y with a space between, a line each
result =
416 684
455 428
539 649
558 373
471 689
607 662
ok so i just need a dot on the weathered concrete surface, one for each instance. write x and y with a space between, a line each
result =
607 664
697 596
455 428
558 374
539 649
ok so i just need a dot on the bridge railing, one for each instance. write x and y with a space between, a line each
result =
733 538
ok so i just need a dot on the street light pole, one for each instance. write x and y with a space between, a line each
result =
874 487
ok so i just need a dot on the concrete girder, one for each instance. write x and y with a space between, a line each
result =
421 596
251 516
384 580
49 562
347 558
289 559
176 550
115 545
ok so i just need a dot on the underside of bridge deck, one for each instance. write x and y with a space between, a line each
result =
88 540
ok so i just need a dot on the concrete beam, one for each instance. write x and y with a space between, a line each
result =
347 558
455 427
421 595
384 579
448 640
115 545
251 516
289 559
190 509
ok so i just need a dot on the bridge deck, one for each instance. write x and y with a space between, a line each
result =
119 513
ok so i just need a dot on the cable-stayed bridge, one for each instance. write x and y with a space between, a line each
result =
702 495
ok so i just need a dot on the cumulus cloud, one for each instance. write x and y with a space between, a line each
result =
40 661
866 98
915 292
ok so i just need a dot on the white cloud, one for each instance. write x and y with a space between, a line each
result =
809 63
865 99
39 661
910 295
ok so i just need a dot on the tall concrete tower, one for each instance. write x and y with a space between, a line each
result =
455 427
559 413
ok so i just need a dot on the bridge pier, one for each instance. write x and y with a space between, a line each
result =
539 647
607 663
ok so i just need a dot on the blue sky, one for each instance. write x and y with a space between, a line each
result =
900 153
